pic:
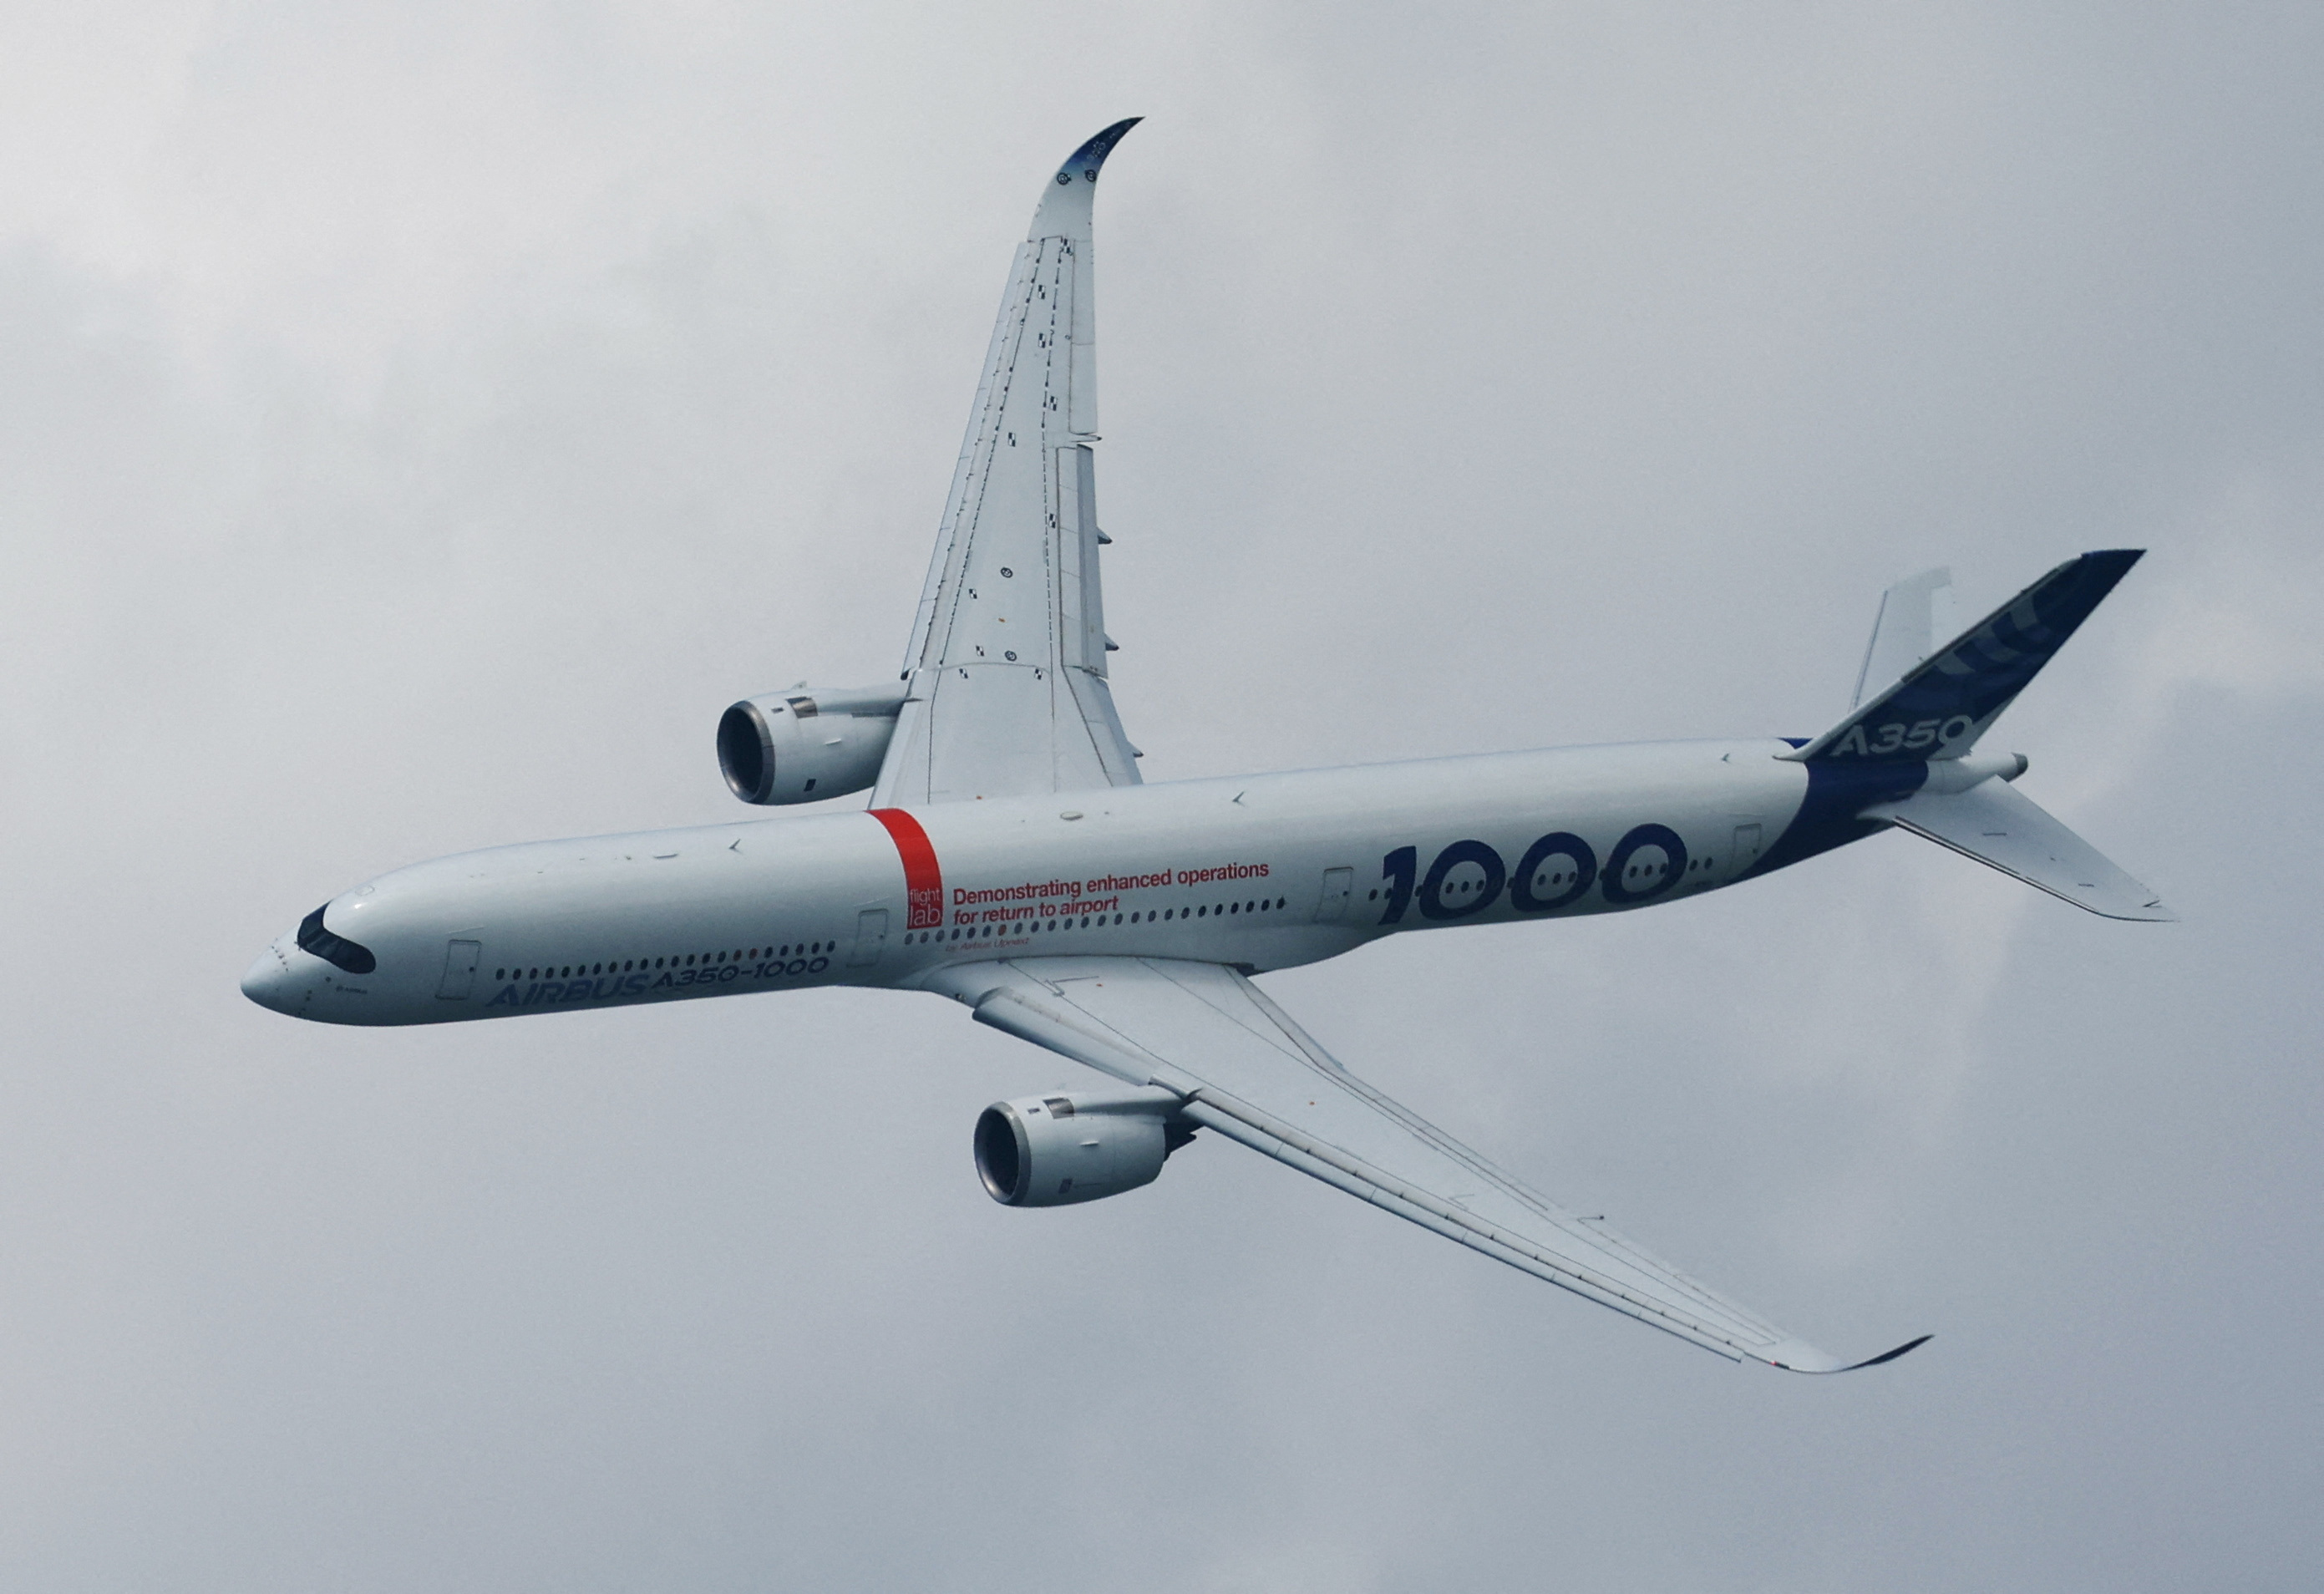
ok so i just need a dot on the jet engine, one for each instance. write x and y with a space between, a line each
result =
1052 1151
808 743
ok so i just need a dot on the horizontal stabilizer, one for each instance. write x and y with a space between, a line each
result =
1907 630
1999 825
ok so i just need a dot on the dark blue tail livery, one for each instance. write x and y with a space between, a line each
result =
1942 705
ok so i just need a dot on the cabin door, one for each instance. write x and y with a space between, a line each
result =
870 938
1338 885
459 970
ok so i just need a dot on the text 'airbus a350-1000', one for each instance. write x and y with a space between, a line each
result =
1011 858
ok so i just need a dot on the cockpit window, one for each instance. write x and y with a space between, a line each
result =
336 950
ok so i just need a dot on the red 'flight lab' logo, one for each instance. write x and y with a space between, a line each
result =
923 879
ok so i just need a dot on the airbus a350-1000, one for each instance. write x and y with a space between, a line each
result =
1011 858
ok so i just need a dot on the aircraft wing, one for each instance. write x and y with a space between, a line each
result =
1242 1068
1006 665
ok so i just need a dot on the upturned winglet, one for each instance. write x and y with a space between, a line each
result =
1801 1365
1065 207
1084 163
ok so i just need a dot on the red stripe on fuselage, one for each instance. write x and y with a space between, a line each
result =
923 877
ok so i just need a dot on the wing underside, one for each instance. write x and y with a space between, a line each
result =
1242 1068
1008 659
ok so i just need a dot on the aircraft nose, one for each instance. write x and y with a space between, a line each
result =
269 983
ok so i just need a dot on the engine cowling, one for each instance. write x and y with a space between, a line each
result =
1052 1151
809 743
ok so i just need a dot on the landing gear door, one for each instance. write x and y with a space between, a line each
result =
459 970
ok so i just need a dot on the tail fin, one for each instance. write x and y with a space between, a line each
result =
1944 704
2002 827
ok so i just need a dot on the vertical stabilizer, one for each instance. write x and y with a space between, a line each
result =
1940 706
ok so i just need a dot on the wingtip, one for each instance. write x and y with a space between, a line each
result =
1084 163
1908 1346
1800 1364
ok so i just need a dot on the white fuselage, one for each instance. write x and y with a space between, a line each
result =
1263 871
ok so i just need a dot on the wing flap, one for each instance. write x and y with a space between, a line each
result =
1244 1069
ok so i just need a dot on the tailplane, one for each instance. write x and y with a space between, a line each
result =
1914 734
1915 614
2003 828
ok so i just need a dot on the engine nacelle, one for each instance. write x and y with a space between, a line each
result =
1052 1151
809 743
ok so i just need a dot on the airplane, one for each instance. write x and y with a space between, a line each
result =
1010 856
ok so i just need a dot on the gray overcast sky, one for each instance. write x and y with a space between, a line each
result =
418 421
